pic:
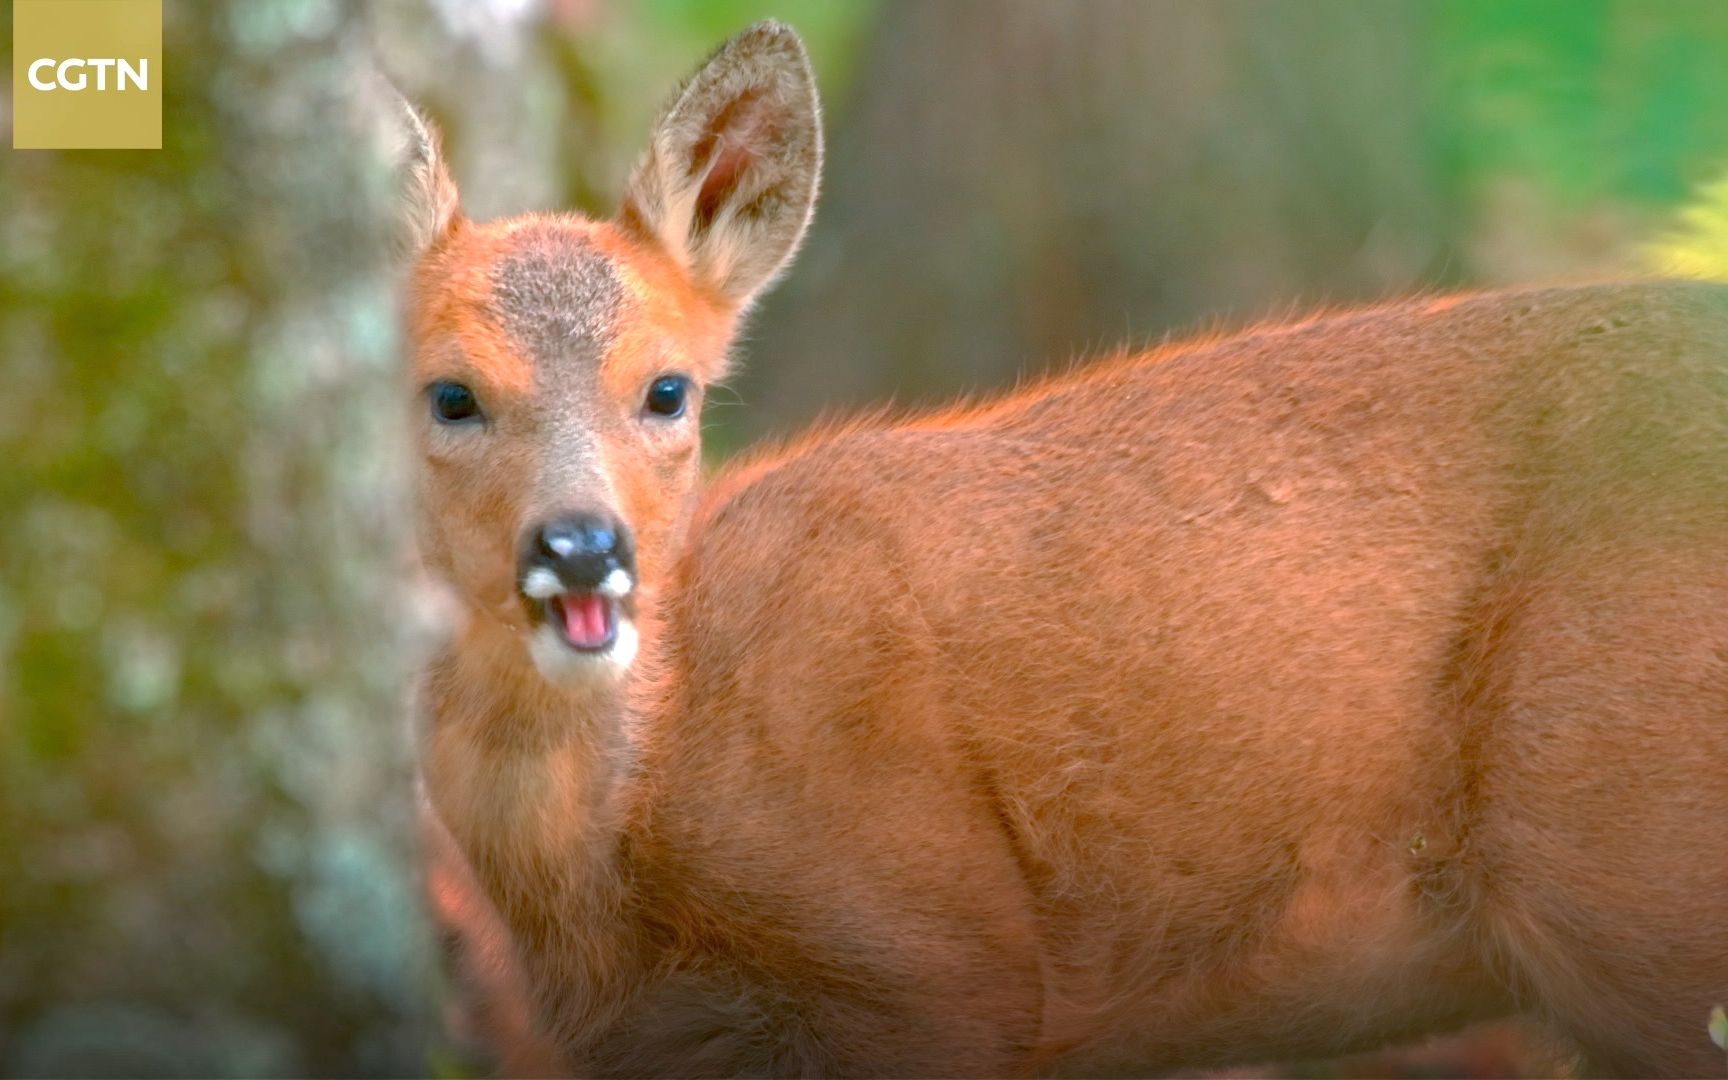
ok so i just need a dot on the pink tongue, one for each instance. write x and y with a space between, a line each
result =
586 621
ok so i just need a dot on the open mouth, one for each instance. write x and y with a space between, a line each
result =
587 622
579 629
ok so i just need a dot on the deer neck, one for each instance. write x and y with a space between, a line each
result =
533 781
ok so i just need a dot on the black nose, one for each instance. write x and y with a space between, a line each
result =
582 549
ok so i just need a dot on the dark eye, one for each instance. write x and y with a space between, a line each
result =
667 396
453 403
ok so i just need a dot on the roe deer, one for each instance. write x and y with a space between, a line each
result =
1269 696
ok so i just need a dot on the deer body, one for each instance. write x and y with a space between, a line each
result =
1323 685
1265 697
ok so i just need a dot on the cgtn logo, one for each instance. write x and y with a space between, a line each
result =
87 74
50 74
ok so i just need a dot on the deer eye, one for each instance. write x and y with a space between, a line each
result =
453 403
667 396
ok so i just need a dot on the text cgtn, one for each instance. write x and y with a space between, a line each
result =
71 74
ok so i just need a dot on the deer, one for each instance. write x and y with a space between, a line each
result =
1263 696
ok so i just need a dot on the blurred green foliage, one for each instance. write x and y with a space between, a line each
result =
1586 99
831 31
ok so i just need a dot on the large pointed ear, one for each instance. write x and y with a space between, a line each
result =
429 206
729 180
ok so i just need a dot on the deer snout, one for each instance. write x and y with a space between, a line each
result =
578 553
577 573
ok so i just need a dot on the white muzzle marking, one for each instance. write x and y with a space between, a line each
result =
541 584
564 666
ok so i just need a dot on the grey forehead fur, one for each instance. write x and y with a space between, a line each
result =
557 295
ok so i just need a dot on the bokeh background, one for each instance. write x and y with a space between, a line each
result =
207 618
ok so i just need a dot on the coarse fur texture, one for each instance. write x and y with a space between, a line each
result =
1265 697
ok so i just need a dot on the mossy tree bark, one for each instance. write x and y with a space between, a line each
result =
205 631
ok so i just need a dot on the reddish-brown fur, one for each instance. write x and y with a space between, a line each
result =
490 1012
1277 695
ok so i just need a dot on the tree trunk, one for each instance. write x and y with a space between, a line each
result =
205 622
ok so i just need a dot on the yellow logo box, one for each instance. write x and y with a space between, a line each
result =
87 75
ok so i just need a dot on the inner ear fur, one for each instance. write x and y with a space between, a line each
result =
728 183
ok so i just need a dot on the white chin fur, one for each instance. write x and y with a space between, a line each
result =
541 583
617 585
564 666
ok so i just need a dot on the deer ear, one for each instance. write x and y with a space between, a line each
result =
729 180
429 205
